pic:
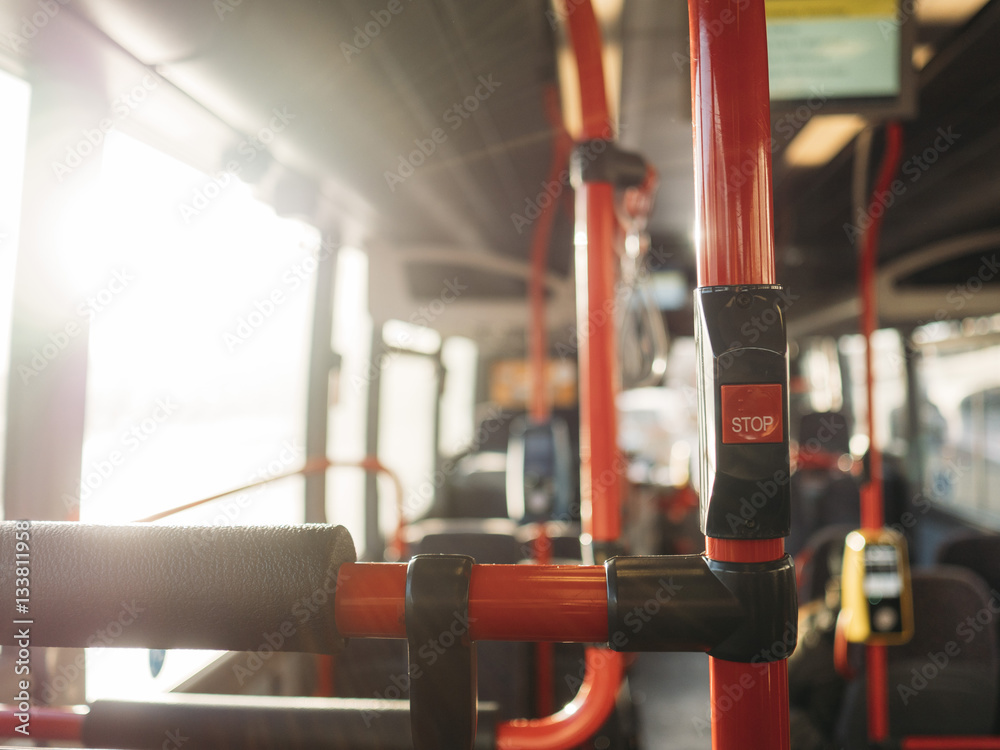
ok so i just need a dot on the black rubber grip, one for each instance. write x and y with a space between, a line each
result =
235 588
215 722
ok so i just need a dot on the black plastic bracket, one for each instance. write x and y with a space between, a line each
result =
742 347
768 630
667 603
600 160
441 654
735 611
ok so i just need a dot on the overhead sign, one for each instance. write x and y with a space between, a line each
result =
837 49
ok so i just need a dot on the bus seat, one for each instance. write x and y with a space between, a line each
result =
564 538
980 553
820 560
489 540
944 681
477 488
819 500
539 470
821 493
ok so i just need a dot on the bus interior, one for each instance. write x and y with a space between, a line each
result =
271 272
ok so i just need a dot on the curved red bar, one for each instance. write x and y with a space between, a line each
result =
506 602
732 142
578 721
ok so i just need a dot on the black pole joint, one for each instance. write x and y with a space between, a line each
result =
735 611
600 160
768 628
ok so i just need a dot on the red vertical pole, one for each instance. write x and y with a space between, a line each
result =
594 233
735 245
600 482
732 142
872 501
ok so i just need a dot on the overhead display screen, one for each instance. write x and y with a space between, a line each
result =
855 51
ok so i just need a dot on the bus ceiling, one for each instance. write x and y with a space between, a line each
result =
422 128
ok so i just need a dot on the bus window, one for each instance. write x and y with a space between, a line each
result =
352 333
407 419
890 390
459 356
820 365
14 96
199 339
959 371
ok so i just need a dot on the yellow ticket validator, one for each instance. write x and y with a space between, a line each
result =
877 596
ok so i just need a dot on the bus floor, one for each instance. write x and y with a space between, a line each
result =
670 693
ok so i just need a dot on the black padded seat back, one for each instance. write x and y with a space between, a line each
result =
979 553
944 681
488 540
564 541
477 488
824 553
821 498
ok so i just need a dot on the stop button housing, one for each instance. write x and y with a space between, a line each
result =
743 411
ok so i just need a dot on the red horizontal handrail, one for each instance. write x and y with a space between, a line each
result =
44 723
506 602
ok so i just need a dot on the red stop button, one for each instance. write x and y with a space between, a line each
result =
752 413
